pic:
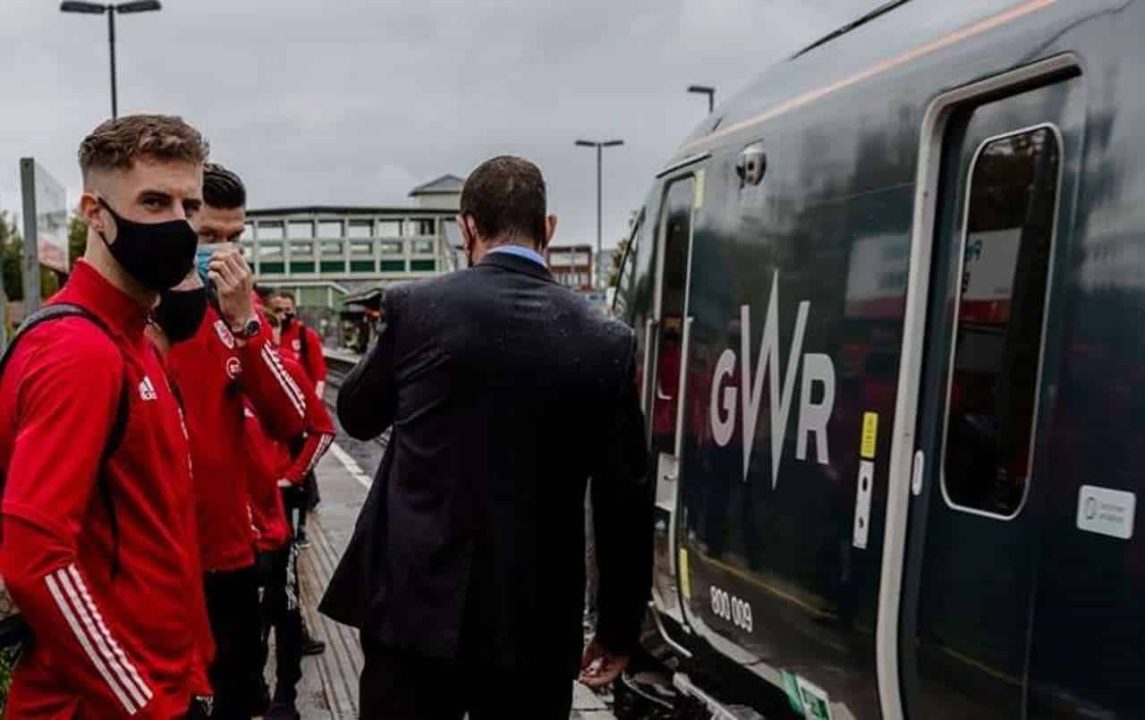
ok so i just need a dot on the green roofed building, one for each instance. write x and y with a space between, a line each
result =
323 253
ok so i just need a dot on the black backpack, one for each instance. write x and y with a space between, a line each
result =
13 629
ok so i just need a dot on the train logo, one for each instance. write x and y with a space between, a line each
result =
817 369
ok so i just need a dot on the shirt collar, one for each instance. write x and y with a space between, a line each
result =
86 287
521 251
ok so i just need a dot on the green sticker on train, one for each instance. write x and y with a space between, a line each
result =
792 688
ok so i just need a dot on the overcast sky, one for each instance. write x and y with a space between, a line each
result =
356 101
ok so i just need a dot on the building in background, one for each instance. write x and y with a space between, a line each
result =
443 193
571 266
323 253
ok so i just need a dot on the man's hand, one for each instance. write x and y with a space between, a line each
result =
599 667
233 281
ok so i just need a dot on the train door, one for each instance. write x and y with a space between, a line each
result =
668 354
974 521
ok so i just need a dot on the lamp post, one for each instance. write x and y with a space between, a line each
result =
111 9
599 198
705 90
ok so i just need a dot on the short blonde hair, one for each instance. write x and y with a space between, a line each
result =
115 144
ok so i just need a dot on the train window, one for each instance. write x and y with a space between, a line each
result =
360 247
675 231
329 228
996 365
392 247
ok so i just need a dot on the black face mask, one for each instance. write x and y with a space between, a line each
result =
157 255
180 313
287 320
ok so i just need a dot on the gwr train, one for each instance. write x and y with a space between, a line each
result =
889 305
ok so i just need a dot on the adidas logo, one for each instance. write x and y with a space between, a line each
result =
147 390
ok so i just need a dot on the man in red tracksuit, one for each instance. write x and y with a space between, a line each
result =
298 341
275 494
99 550
230 360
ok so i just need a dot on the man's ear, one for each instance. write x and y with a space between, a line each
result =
90 211
465 225
550 228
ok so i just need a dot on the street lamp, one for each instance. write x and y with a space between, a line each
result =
111 9
599 201
705 90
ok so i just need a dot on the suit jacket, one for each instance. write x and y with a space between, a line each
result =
505 392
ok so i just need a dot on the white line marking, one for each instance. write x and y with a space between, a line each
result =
351 465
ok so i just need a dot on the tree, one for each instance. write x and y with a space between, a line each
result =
11 267
77 239
10 242
617 258
620 251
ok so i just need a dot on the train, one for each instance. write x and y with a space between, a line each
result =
886 302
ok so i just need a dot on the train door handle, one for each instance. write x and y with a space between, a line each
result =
649 336
682 392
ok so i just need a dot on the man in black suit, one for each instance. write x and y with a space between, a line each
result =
505 392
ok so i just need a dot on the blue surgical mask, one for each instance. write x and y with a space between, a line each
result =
203 258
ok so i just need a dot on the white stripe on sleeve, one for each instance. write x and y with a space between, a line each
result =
100 641
85 642
284 380
115 647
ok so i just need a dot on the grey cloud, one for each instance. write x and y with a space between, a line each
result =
352 101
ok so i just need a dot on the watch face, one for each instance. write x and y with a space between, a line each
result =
251 328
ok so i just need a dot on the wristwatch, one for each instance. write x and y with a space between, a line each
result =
248 329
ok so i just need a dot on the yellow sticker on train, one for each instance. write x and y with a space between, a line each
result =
685 575
870 435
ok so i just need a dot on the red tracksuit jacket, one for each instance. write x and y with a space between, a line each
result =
272 461
311 360
215 372
268 514
109 643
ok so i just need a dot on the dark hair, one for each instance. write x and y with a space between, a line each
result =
222 188
506 196
264 293
115 144
285 294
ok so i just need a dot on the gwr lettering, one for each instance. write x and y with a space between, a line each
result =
818 370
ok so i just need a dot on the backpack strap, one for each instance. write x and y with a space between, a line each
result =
118 428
